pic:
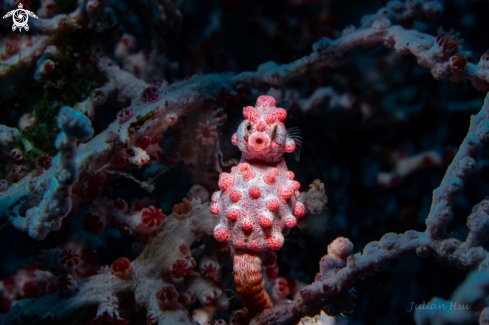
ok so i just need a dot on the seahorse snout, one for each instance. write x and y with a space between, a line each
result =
259 142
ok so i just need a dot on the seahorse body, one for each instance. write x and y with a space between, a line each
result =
258 199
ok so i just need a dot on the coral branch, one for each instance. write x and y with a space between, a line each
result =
453 183
56 203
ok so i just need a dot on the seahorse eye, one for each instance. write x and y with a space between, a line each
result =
249 127
274 131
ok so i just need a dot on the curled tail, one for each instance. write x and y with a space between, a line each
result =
249 282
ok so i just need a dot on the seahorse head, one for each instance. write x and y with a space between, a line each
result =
262 135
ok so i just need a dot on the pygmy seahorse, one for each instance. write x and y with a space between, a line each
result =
258 199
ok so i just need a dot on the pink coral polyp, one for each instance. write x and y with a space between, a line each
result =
150 94
152 217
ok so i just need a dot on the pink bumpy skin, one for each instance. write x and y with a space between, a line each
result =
259 197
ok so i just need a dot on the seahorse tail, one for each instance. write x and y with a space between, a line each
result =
249 282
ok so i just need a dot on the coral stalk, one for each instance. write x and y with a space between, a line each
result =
56 204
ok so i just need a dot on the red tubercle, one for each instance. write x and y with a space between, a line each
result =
265 221
270 118
251 113
246 171
272 204
226 181
270 176
281 114
233 214
274 242
289 146
214 209
235 196
290 222
265 101
285 192
222 234
239 243
295 185
254 192
247 224
299 209
253 245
